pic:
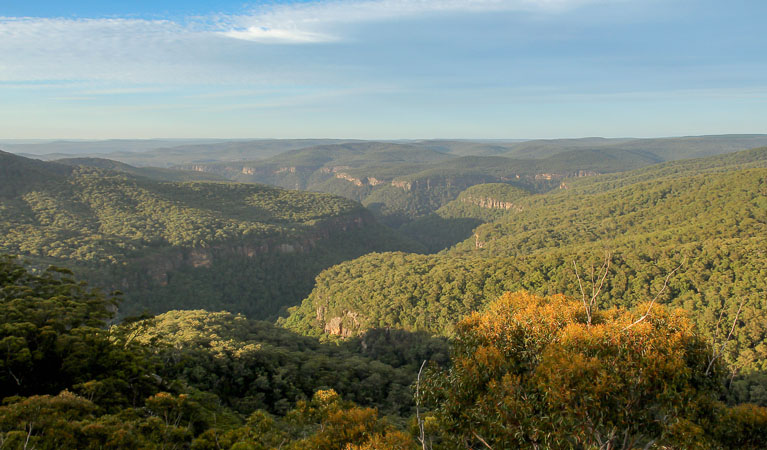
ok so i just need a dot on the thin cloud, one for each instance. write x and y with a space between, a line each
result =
318 21
217 49
35 49
276 35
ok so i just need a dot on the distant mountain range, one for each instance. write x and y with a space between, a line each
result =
167 152
399 181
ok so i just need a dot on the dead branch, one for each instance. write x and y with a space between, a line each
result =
583 294
649 307
481 440
718 350
589 305
422 436
29 434
595 293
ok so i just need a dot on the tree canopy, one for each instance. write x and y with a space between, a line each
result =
532 372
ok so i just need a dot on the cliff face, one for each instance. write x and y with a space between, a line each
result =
159 267
559 176
347 177
490 203
345 325
405 185
358 181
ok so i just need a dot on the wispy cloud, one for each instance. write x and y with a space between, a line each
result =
319 21
202 49
267 34
35 49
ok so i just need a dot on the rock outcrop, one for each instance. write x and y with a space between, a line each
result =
406 185
490 203
345 325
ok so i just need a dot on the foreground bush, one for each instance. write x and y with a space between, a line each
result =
531 372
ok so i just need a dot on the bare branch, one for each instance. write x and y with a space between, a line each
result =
583 294
649 307
649 444
481 440
17 379
718 322
718 350
595 290
422 436
26 442
606 267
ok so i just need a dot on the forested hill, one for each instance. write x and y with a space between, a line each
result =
19 174
708 217
520 375
242 247
164 152
401 182
155 173
453 222
405 181
667 149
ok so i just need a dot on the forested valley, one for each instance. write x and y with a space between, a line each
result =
377 295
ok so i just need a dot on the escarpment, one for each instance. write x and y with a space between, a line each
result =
490 203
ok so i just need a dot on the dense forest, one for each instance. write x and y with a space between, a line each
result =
170 244
404 181
707 230
530 372
401 182
591 297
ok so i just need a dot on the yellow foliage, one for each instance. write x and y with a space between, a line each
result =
532 371
326 397
394 440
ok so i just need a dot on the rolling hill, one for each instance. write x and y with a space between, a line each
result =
401 182
243 247
667 149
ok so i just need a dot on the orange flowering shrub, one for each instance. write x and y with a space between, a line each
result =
530 372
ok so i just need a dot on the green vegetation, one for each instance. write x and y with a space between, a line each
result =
536 372
253 365
246 247
529 373
402 182
52 338
456 220
712 226
184 379
388 350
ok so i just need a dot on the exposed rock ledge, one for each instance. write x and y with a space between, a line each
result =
345 325
364 181
490 203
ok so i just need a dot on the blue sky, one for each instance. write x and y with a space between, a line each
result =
382 68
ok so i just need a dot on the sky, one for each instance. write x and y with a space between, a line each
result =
381 69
